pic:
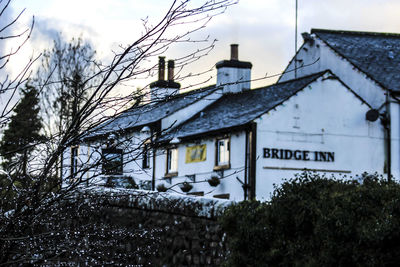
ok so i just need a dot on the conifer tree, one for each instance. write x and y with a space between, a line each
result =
22 134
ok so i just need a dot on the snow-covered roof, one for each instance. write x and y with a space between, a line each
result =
375 54
146 114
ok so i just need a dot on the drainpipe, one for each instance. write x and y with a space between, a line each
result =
153 176
389 138
246 166
253 158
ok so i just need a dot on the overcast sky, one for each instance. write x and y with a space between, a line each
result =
264 29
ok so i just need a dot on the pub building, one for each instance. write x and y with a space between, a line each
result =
334 111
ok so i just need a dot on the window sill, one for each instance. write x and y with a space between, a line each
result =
199 194
171 174
113 174
222 196
222 167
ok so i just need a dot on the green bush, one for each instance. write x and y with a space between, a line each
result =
314 221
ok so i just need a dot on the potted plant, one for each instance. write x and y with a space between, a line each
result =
186 187
214 181
161 188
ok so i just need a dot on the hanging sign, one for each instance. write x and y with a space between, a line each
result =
196 153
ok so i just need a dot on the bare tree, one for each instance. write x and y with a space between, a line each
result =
32 217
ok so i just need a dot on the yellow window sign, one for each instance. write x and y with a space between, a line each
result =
196 153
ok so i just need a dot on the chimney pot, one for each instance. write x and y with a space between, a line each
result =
234 52
161 68
171 66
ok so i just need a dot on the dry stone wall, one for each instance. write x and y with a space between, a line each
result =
160 229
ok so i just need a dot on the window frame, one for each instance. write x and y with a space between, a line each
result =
169 172
119 169
74 161
146 156
219 164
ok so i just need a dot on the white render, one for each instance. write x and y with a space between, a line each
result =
324 117
327 116
358 144
319 56
234 80
205 169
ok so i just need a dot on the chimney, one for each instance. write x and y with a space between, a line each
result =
171 66
234 75
161 68
162 88
234 52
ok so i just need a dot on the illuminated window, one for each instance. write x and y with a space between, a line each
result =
112 161
172 161
222 152
74 160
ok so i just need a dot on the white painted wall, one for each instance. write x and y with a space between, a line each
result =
233 80
325 58
204 170
158 93
132 145
86 157
395 137
368 89
325 116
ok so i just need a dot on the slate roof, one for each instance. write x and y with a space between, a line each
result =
150 113
235 110
375 54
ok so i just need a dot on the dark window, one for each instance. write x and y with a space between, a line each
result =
112 161
74 160
146 156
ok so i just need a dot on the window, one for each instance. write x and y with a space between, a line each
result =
146 157
172 161
222 153
112 161
74 160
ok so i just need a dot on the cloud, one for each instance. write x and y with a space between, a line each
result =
263 29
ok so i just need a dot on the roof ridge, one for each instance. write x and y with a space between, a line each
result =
173 97
189 92
316 74
369 33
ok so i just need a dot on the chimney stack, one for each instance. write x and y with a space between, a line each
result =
234 75
162 88
171 66
234 52
161 68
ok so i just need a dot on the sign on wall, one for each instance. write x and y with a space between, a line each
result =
306 155
196 153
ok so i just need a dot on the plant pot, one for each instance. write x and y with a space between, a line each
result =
214 181
161 188
186 187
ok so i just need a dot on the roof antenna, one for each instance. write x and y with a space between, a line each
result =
295 46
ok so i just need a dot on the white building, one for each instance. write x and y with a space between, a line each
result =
336 114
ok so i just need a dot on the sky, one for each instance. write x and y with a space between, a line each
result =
264 29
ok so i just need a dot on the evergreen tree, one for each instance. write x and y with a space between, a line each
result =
22 134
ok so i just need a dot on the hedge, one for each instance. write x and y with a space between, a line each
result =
314 221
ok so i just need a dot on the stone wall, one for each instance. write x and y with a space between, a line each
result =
160 229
